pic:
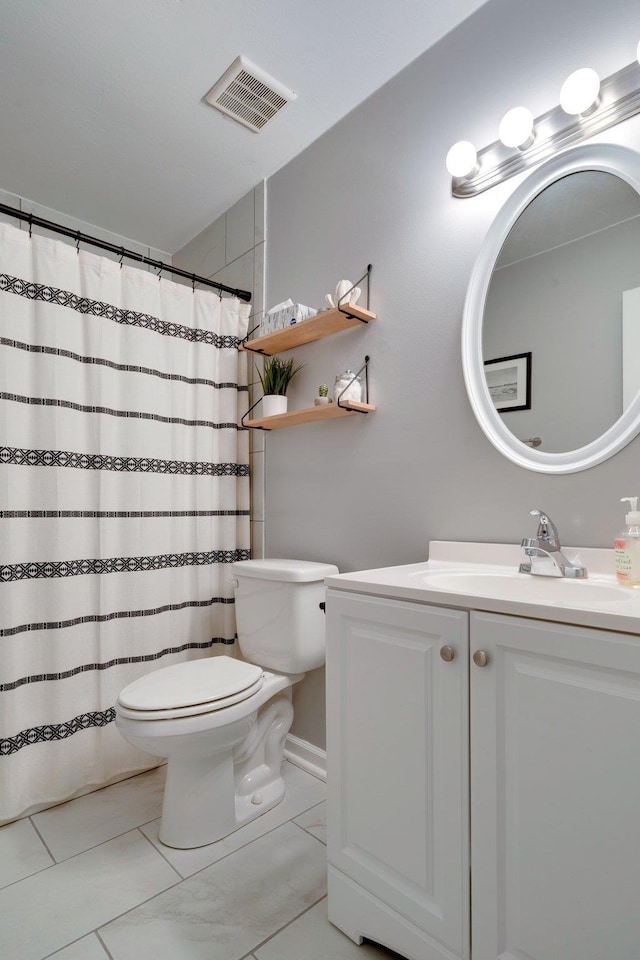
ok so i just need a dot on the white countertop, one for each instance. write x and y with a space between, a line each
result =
484 576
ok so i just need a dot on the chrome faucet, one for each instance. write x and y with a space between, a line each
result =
545 554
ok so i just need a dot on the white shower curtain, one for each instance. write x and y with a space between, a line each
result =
124 496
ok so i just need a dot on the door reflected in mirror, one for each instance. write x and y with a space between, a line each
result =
565 288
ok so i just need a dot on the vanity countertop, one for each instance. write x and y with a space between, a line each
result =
484 576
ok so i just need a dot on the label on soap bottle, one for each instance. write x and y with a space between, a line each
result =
627 554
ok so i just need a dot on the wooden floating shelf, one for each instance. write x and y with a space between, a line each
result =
315 328
328 411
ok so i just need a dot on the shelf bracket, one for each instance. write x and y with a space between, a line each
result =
242 423
366 276
365 368
245 344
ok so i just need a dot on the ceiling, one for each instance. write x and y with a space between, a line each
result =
102 110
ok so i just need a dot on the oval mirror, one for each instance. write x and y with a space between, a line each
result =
551 328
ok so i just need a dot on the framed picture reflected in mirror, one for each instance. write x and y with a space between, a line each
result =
509 381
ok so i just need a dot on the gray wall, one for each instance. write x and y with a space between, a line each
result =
372 491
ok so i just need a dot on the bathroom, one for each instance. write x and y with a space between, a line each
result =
375 491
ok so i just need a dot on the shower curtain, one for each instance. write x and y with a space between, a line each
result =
124 497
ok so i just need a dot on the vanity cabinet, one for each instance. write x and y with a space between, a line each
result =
555 787
397 742
543 802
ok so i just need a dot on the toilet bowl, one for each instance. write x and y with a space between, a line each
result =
221 722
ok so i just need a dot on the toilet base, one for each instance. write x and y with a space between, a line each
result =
208 796
248 808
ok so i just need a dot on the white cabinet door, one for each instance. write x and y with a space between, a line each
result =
555 785
397 747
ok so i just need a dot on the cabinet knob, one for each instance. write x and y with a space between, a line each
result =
480 658
447 653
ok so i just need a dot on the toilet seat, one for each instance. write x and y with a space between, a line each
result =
191 688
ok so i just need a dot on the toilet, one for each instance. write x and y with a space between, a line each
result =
221 722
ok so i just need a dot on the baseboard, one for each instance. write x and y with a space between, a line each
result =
307 756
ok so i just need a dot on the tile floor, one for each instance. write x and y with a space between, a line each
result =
89 880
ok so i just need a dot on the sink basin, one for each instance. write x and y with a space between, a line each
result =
509 585
485 577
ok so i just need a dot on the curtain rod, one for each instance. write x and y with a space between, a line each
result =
161 267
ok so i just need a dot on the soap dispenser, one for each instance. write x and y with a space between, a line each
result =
627 547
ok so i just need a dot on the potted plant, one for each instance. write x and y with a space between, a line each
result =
275 378
323 395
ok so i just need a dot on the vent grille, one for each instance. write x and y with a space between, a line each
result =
249 95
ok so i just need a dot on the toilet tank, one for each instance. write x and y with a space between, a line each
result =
279 621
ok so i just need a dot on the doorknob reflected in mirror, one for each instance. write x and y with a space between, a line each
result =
480 658
447 653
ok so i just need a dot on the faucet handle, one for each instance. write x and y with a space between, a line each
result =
547 529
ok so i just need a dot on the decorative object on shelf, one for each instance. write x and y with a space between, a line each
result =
323 396
346 294
284 315
348 386
587 106
275 379
273 404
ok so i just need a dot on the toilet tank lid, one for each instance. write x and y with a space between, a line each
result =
299 571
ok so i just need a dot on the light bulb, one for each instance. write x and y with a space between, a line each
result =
516 128
580 92
462 159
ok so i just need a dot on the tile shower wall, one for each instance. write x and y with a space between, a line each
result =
232 251
29 206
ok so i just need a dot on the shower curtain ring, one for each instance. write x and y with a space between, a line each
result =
121 256
77 241
193 282
160 272
30 224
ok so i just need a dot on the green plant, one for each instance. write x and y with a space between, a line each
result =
323 390
277 375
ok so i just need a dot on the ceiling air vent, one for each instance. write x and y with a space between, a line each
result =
249 95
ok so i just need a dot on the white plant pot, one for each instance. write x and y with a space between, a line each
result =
273 404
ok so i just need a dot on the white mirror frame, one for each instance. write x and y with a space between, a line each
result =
608 158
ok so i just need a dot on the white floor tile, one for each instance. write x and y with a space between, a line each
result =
314 821
80 824
302 791
22 852
229 908
312 937
89 948
53 908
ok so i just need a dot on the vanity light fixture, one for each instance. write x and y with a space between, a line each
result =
462 159
587 106
580 93
516 128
